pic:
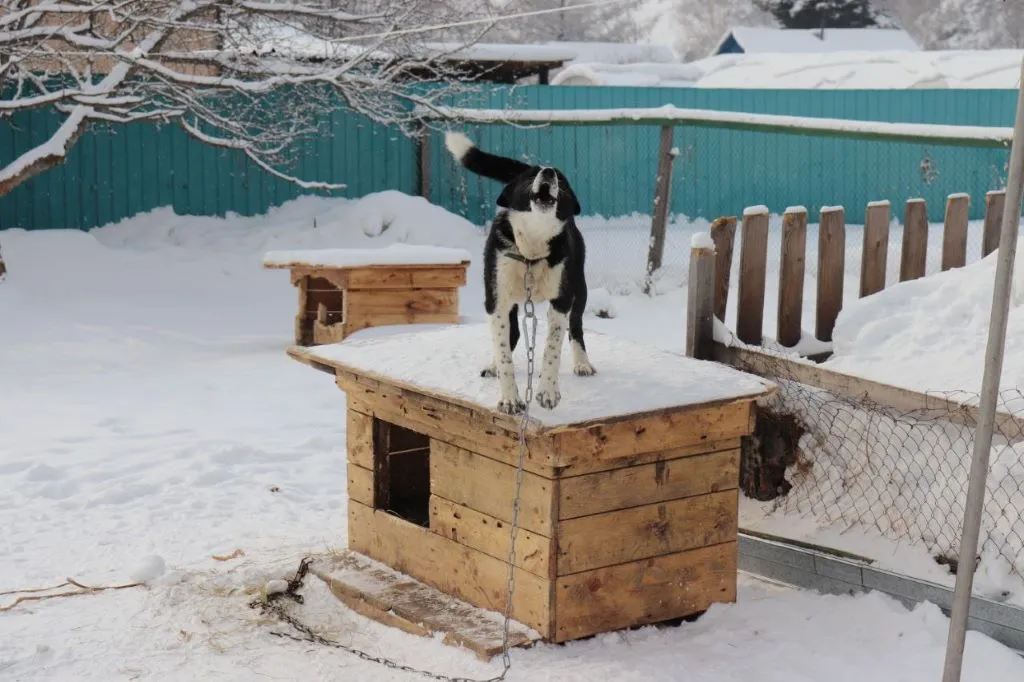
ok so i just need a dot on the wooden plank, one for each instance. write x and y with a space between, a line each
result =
645 591
488 486
723 233
753 269
398 601
454 569
582 450
995 202
400 303
407 278
625 535
449 422
875 253
858 388
954 231
490 535
359 437
700 304
662 201
914 256
791 276
360 484
648 483
831 268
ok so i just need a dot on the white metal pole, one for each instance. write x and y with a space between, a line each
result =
1001 292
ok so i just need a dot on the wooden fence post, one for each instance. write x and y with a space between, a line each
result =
994 203
954 231
831 265
753 266
875 253
723 233
791 276
662 199
423 160
914 256
700 330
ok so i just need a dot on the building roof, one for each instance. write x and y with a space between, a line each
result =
758 40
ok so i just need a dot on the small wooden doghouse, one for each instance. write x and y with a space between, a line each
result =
344 290
629 499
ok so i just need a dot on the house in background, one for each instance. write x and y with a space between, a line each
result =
757 40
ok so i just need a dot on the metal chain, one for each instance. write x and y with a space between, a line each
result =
529 319
273 605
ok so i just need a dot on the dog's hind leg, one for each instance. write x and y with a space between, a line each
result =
548 394
580 362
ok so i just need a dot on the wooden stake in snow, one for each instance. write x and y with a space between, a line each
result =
791 276
874 254
700 336
989 398
753 268
662 198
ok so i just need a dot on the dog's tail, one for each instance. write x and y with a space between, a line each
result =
500 168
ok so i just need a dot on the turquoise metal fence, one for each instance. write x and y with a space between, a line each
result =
117 172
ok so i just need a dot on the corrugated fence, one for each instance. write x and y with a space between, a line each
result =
118 172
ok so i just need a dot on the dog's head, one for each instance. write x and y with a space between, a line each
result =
541 189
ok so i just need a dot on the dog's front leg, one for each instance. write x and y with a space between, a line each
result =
509 402
548 394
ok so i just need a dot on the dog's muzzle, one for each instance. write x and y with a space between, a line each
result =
545 188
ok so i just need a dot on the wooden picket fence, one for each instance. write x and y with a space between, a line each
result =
832 259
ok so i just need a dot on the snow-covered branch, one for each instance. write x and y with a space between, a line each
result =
251 75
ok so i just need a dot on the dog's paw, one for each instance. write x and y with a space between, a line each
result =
548 397
489 372
515 406
584 369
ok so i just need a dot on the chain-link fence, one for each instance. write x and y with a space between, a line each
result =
858 463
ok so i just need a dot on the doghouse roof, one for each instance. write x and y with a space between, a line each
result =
632 378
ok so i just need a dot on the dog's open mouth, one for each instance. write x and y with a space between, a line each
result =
543 197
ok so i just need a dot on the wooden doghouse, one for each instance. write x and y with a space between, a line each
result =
629 498
344 290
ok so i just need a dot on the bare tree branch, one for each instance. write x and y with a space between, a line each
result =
250 75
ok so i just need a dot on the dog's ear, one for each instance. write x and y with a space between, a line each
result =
565 194
505 198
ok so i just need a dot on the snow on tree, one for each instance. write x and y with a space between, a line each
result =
694 27
251 75
807 14
609 23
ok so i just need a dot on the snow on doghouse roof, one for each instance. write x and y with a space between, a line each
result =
632 378
761 40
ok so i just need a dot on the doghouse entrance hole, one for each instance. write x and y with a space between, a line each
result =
401 460
320 291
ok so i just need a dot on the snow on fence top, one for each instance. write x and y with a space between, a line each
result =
394 254
969 136
632 378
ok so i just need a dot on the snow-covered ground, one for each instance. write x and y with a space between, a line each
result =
147 409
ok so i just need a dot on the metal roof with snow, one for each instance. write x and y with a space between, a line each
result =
759 40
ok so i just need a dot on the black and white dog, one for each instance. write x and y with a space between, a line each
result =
535 226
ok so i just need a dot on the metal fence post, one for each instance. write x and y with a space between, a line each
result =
989 399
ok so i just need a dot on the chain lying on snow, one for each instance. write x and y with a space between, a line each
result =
272 604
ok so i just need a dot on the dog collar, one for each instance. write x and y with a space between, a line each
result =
521 258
